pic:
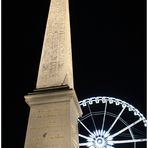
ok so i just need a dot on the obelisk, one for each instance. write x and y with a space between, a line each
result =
54 107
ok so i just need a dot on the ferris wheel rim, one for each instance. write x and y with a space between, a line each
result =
124 105
117 101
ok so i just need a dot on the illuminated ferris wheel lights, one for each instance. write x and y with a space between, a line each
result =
92 136
117 103
89 144
136 112
103 139
129 109
106 134
145 123
97 133
104 100
142 117
110 146
99 139
110 143
101 133
111 101
84 103
92 147
97 99
123 105
110 138
90 101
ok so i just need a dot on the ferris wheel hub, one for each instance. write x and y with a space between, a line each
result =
100 142
99 139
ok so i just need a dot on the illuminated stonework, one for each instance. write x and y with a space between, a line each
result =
53 120
56 60
54 107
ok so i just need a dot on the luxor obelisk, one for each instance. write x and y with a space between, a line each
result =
54 108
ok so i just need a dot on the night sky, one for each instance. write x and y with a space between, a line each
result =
109 55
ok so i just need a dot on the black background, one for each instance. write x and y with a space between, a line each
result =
109 55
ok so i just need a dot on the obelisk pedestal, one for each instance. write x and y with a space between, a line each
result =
53 119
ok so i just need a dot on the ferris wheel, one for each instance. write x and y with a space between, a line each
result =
109 122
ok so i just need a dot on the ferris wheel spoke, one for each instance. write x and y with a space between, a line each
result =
128 141
92 117
86 127
85 137
126 128
116 119
104 115
86 144
109 146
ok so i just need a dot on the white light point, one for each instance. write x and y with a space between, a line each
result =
99 139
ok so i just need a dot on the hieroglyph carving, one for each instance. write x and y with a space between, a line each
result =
56 60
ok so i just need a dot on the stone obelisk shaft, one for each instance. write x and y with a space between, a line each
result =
56 61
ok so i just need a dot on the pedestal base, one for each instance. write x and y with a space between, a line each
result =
53 120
